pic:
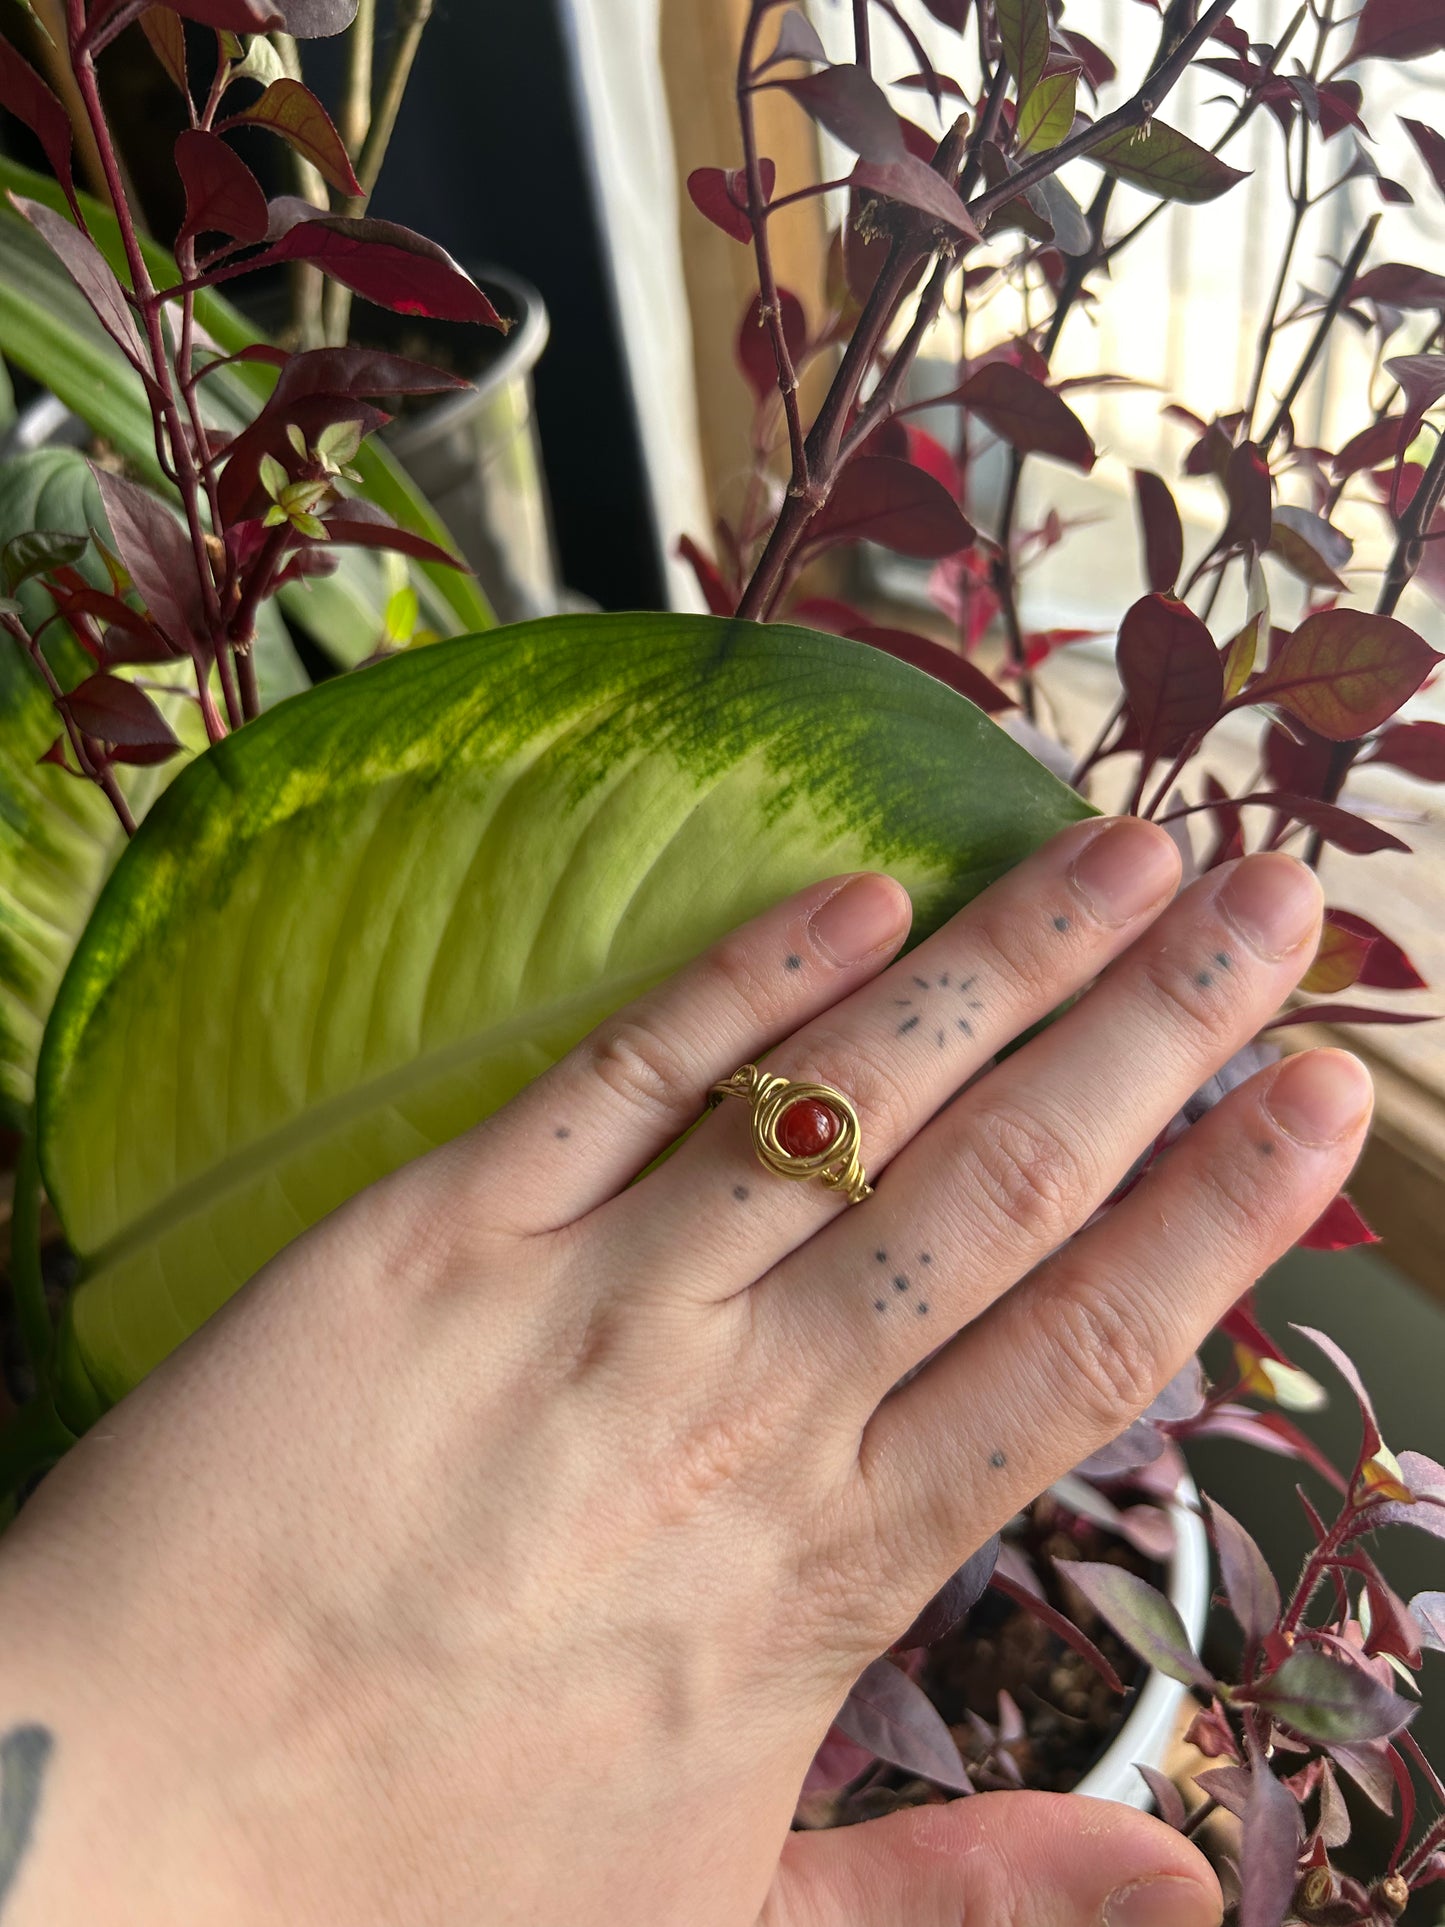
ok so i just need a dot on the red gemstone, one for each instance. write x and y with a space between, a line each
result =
806 1128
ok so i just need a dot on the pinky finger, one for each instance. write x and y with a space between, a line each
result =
1075 1352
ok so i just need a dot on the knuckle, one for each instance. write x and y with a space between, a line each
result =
1026 1173
639 1065
1106 1352
851 1064
1180 992
728 1452
1014 959
730 975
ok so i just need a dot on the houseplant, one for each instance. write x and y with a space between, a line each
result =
286 851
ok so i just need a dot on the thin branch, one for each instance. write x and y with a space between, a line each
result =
308 284
1269 326
1338 295
354 123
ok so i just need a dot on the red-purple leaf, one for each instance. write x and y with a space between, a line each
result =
721 193
1327 1699
854 109
25 95
1394 284
384 263
709 577
797 40
319 19
1034 1603
129 637
1347 1014
895 1719
1309 546
1165 1795
1397 30
1422 381
1341 827
1141 1616
1416 748
1428 1609
1345 1366
952 13
1373 446
230 16
942 663
1165 162
1248 1581
1344 672
294 112
360 524
158 556
913 182
1161 529
1339 1227
950 1606
1250 494
223 196
1270 1834
167 36
1266 1432
837 1761
89 270
1432 148
1173 675
755 342
116 712
879 499
1026 414
1229 1785
1385 965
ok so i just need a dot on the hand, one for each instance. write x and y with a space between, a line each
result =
502 1552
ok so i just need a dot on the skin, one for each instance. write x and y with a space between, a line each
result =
502 1552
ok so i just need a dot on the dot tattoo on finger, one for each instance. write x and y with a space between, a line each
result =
740 1192
900 1283
794 963
562 1131
997 1461
1061 924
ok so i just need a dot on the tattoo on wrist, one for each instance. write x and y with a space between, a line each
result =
24 1755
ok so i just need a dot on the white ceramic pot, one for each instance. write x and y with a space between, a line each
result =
1148 1732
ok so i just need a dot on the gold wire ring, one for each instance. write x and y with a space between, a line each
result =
770 1098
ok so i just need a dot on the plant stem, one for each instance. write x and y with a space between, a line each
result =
1268 327
355 118
32 1314
90 765
1344 282
308 284
411 23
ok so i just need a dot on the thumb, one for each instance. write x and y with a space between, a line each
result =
996 1860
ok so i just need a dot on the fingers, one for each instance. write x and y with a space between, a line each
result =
1030 1151
591 1122
903 1045
997 1860
1072 1355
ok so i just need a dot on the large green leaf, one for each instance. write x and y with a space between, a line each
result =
367 919
48 329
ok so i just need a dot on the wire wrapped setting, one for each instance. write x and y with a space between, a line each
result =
837 1163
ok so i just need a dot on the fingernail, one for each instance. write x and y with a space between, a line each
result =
867 913
1162 1902
1320 1095
1125 870
1273 902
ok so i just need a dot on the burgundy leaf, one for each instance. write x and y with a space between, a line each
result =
1181 1398
1339 1227
157 554
1229 1785
1416 748
854 109
1326 1699
913 182
1309 547
1394 284
1386 966
1344 672
880 499
1250 494
1299 762
25 95
952 13
895 1719
1162 531
755 342
1099 69
294 112
837 1761
1166 1796
1370 448
1422 380
709 578
722 195
1270 1835
360 524
223 196
1428 1611
1033 1602
319 19
116 712
1141 1616
89 270
167 36
1341 827
128 635
1397 30
1432 148
1267 1432
1172 674
1348 1014
240 489
1349 1372
942 663
1248 1581
1393 1627
387 264
950 1606
797 40
230 16
1141 1444
1026 414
